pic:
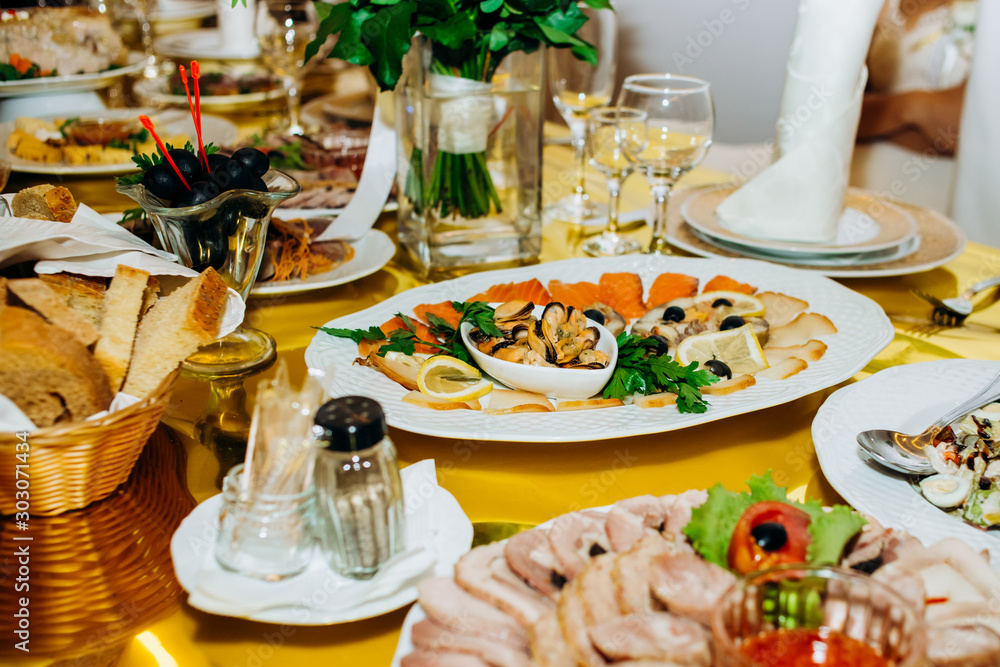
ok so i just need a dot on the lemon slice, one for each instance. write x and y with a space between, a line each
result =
738 348
744 305
451 379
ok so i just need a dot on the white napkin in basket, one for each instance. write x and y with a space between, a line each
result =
800 197
223 592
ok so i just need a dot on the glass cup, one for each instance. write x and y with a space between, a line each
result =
680 121
264 536
577 87
789 602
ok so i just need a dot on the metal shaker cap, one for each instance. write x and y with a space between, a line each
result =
350 423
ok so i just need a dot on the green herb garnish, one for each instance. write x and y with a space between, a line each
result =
640 370
711 526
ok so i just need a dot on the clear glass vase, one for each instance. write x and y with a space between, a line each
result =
470 163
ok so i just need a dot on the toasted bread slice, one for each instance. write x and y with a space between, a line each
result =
435 403
505 402
3 293
83 294
151 294
44 202
736 383
173 329
41 298
783 369
661 400
122 308
810 351
589 404
802 329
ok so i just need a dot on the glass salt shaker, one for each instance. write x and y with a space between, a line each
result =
359 493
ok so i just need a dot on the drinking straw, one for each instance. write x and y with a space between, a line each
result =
148 124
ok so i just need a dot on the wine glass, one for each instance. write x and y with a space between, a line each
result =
577 87
608 129
142 10
284 28
679 124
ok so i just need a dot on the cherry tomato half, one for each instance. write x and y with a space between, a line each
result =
768 534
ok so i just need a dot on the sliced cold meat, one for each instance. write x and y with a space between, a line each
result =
428 635
963 645
679 514
577 537
631 575
426 658
451 607
655 636
530 557
630 519
573 622
472 572
597 588
548 648
688 585
502 573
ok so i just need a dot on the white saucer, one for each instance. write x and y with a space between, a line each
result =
869 224
205 44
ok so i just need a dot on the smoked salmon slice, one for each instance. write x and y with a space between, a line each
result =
670 286
623 292
530 290
366 347
727 284
578 295
443 310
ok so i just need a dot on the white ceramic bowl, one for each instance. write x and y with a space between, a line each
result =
551 382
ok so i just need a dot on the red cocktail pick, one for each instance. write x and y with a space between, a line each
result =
196 74
148 124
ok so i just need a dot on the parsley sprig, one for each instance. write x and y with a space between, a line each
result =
405 339
145 162
640 370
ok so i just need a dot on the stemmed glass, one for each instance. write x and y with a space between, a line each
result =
143 9
284 28
608 129
577 87
679 124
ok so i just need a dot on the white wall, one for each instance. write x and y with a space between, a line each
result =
739 46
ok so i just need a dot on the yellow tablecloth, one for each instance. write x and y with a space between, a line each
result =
528 482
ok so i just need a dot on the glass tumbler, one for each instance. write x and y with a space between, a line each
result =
264 536
793 614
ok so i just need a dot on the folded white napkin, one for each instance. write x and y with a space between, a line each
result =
319 588
377 176
800 197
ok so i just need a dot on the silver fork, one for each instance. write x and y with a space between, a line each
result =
953 311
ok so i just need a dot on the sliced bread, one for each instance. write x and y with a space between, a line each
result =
47 372
174 328
122 307
44 202
83 294
40 297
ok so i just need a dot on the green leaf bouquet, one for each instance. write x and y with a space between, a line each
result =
469 39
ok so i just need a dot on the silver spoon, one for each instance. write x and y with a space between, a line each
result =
905 453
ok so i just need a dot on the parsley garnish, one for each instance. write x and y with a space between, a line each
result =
641 371
405 339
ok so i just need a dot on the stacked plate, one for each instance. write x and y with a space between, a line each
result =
871 231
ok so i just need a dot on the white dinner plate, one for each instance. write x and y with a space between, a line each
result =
863 331
169 122
198 531
205 44
71 82
371 253
156 91
181 10
868 224
907 399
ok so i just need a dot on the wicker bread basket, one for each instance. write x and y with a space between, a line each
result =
70 466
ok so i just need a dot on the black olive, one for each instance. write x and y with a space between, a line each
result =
984 484
597 550
232 176
722 302
200 192
161 180
868 566
217 161
257 183
595 315
662 344
673 314
188 164
732 322
254 160
770 535
719 368
557 579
